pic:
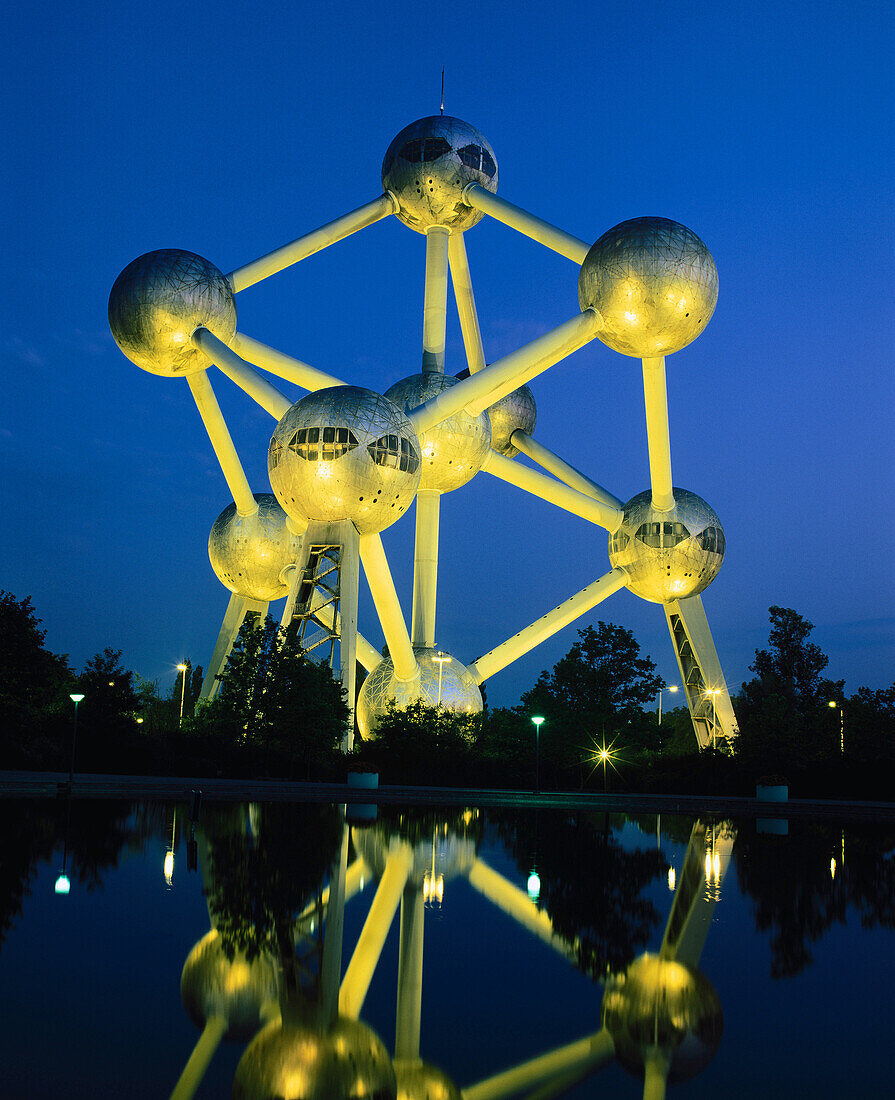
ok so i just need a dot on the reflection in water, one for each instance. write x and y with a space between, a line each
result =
268 968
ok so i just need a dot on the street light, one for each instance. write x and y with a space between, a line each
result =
182 670
75 698
837 706
672 688
538 721
442 659
714 694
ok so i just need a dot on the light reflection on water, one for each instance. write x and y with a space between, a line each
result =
506 953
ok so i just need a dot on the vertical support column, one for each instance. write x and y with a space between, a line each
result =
425 567
349 579
331 965
410 975
237 609
469 318
657 438
435 299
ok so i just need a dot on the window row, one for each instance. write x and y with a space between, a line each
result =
336 442
422 149
662 536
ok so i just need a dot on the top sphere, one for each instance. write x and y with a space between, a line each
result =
159 301
659 1003
428 165
345 453
655 284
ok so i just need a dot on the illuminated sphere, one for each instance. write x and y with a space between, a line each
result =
669 555
459 691
213 985
419 1081
427 166
453 852
516 411
249 553
655 284
345 453
663 1004
159 301
291 1061
454 450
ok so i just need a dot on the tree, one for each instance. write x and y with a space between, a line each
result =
273 696
781 710
597 690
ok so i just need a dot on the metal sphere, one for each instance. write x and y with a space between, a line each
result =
459 691
655 284
454 450
213 985
515 411
419 1081
159 301
451 852
428 165
669 555
345 453
291 1061
249 553
659 1004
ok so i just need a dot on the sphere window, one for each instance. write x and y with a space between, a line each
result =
395 452
474 156
307 444
423 149
618 542
662 536
712 540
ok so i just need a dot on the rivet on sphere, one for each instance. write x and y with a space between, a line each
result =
428 165
158 302
655 284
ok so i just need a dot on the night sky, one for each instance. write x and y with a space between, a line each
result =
229 130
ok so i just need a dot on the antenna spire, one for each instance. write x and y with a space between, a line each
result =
442 90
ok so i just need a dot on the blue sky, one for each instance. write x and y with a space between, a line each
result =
229 130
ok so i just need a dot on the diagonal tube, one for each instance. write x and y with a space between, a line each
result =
553 464
591 1052
222 443
312 242
193 1072
479 391
528 224
469 318
548 625
385 599
245 376
553 491
282 365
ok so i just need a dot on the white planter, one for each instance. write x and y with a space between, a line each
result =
366 780
778 792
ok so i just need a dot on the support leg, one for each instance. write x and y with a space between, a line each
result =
425 567
331 964
391 618
469 318
435 299
410 975
349 577
199 1060
591 1052
237 609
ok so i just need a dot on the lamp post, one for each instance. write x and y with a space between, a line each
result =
182 670
671 687
76 698
442 659
538 720
838 706
714 693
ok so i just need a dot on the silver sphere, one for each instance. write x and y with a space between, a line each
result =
213 985
454 450
459 691
655 284
428 165
669 555
159 301
419 1081
452 852
345 453
249 553
663 1005
292 1061
515 411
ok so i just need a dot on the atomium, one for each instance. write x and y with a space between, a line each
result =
345 463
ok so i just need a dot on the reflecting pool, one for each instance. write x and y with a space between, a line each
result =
287 950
